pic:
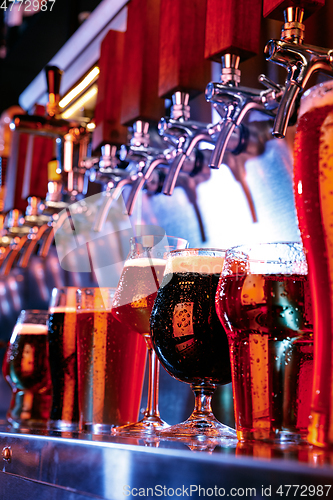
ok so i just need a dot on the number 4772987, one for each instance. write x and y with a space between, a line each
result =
28 5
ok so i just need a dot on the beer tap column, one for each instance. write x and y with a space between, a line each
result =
141 105
238 41
183 74
300 60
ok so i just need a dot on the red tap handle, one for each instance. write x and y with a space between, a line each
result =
275 8
182 42
110 85
140 99
232 27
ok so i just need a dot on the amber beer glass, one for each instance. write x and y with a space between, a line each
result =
263 300
132 306
63 359
26 369
111 364
313 185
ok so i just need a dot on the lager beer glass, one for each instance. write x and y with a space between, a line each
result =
189 339
63 359
132 305
263 301
26 369
111 364
313 186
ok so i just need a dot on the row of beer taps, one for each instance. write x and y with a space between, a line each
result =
233 102
140 165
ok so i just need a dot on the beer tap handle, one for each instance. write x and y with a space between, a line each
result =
269 84
140 100
183 67
109 129
238 41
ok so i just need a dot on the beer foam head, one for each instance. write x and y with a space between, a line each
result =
192 263
318 96
28 329
62 309
145 262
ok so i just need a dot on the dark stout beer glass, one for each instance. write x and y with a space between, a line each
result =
63 359
132 305
26 369
189 339
111 364
263 301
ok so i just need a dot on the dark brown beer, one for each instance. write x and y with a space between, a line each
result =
26 369
63 364
136 292
262 313
187 335
111 363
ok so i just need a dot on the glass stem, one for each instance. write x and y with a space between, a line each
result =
153 381
203 401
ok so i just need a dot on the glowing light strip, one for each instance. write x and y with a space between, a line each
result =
80 102
80 87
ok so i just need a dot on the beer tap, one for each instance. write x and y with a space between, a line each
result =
113 178
237 42
299 59
183 75
51 124
140 107
231 100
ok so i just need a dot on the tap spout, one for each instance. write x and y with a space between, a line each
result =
109 197
140 181
233 103
181 155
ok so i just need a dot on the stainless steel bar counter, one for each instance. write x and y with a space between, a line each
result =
67 466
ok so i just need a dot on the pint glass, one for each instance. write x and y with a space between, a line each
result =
111 364
264 303
313 185
63 359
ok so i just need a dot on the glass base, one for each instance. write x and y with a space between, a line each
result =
271 436
96 428
62 425
148 426
199 427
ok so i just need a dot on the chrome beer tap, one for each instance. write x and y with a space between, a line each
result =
300 60
113 178
233 102
142 159
185 135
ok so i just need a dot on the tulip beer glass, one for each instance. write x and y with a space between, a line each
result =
189 340
263 301
132 305
26 369
313 186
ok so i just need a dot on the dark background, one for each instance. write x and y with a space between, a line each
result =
29 47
